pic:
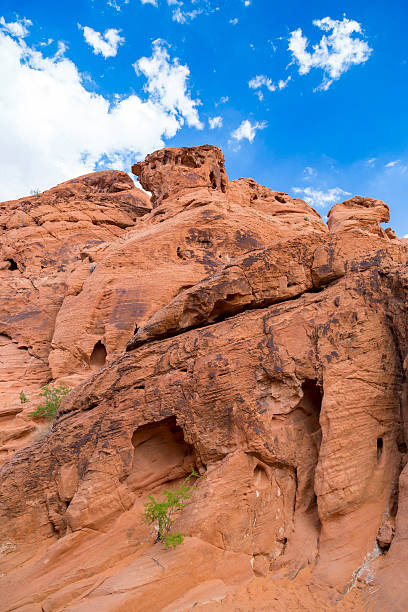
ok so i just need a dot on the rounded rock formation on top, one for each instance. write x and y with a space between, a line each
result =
167 172
360 213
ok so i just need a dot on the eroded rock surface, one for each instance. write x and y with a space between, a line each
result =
45 244
228 329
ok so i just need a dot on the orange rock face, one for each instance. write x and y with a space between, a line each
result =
224 327
45 248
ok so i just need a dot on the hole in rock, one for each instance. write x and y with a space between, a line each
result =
12 264
384 546
98 357
261 480
188 160
136 329
213 180
312 398
306 422
402 447
230 305
380 445
160 455
310 406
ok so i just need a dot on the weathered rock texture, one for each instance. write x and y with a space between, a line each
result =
225 328
45 257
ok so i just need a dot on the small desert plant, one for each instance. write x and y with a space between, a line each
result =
23 398
53 396
35 192
306 218
161 512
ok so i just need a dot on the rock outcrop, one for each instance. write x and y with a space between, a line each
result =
45 257
224 327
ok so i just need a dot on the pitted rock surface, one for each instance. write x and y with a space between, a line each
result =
226 328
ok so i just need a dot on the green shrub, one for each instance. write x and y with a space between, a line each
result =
23 398
53 395
35 192
161 512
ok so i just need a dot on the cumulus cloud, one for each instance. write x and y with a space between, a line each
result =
319 198
106 44
181 16
248 130
167 85
184 11
53 128
117 4
215 122
18 28
335 53
261 81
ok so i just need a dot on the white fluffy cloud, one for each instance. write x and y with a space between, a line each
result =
248 130
185 16
18 28
106 44
117 4
392 163
261 81
167 85
319 198
335 53
54 129
184 11
215 122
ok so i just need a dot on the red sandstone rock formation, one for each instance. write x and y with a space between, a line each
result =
45 258
225 328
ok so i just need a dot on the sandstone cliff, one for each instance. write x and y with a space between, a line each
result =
217 324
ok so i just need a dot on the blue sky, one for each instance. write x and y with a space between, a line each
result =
306 98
